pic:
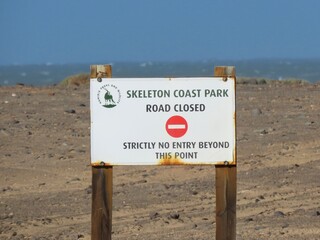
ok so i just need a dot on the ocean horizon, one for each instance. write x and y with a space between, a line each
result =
275 69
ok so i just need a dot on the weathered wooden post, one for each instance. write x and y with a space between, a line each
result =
226 186
101 214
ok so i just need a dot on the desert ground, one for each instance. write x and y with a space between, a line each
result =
45 183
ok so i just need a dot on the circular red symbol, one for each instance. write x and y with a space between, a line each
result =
176 126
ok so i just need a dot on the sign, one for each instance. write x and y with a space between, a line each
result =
176 126
156 121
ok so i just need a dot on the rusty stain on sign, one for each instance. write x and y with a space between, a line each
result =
171 161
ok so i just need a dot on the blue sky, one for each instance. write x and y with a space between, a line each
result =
102 31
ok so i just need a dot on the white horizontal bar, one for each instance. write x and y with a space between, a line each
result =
176 126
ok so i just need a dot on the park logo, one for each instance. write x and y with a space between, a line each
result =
109 96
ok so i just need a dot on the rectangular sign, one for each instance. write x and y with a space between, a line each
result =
162 121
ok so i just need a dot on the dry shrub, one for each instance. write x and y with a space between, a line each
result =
76 80
252 80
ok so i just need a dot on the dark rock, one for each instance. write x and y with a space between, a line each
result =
279 214
142 181
194 192
256 112
259 228
46 221
264 132
5 189
75 179
72 111
154 215
174 215
89 190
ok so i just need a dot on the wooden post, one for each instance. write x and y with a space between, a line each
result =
101 214
226 186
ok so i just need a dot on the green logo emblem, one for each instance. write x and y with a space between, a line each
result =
109 96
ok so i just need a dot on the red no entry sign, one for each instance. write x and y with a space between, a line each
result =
176 126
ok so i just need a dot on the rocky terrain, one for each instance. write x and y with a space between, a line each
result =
45 183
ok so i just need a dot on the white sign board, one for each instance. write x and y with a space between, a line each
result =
161 121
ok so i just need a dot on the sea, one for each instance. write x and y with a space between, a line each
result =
276 69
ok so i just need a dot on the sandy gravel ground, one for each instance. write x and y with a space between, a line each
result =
45 183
